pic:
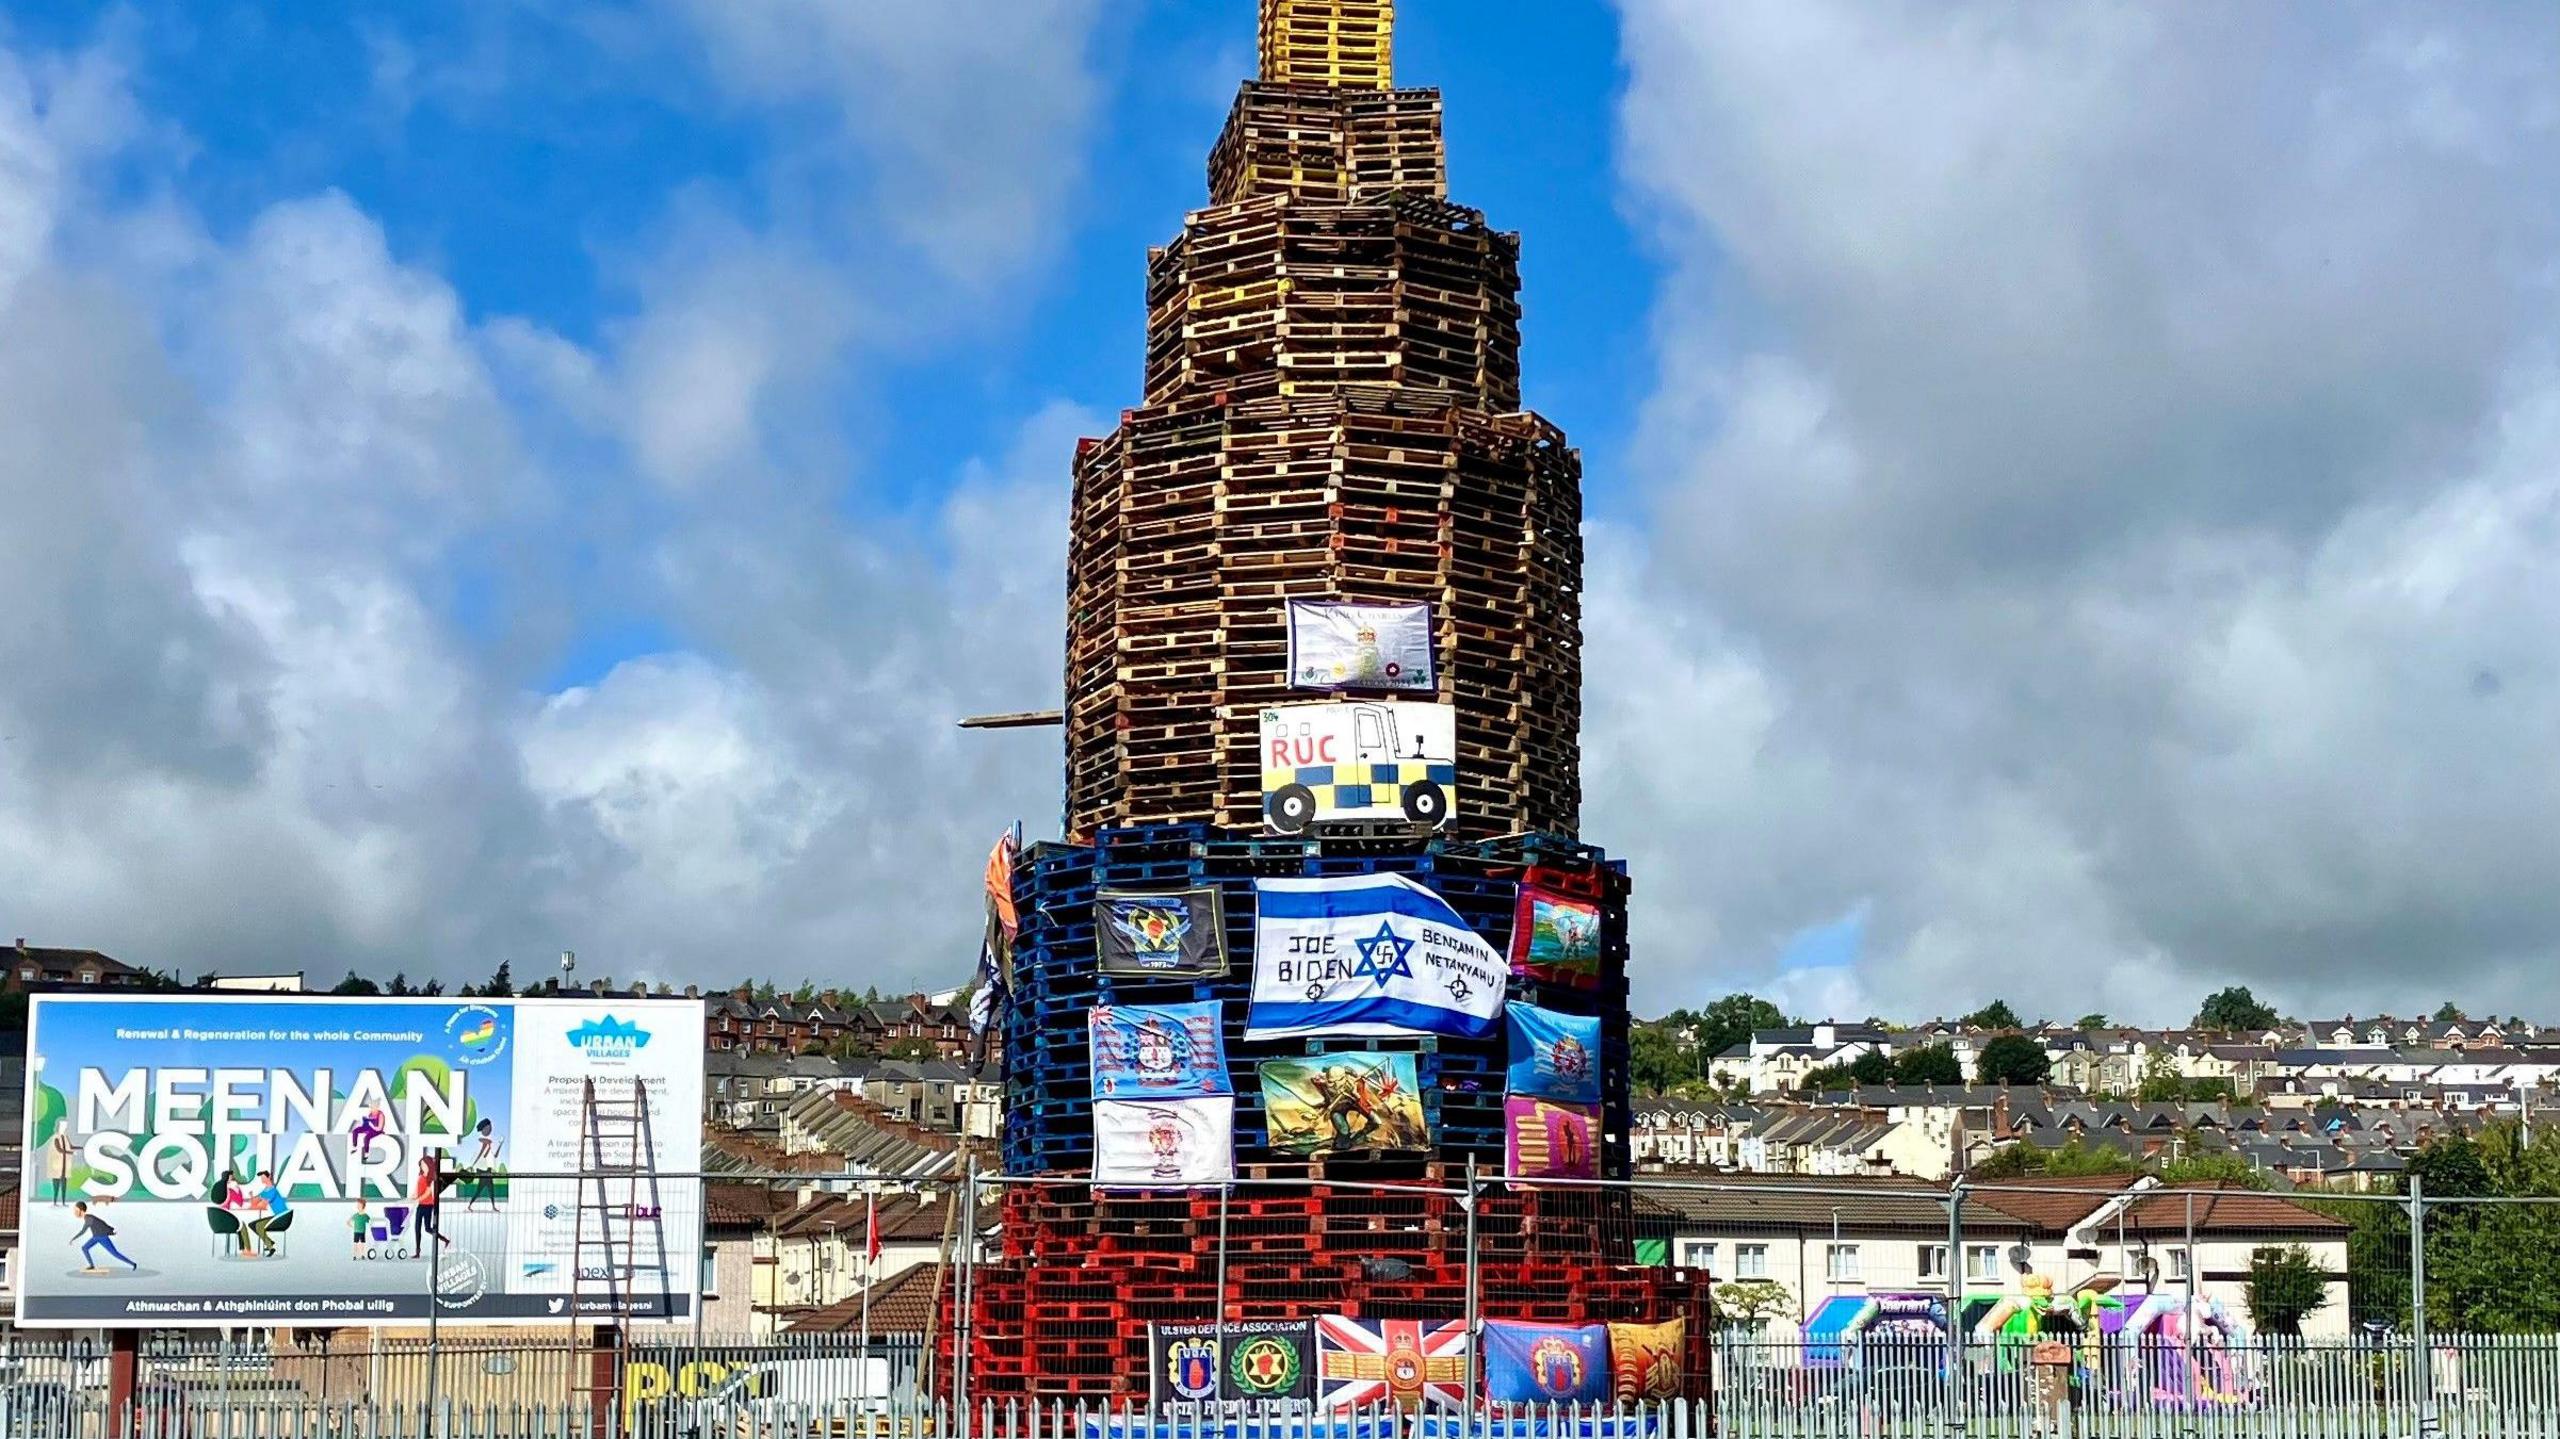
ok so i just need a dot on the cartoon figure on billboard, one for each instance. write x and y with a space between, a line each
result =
94 1234
1339 762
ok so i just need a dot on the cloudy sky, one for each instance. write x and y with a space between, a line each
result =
2075 497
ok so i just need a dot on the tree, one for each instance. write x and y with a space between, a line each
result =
1928 1064
2073 1160
400 984
2447 1013
1995 1015
1657 1058
1873 1067
910 1048
2228 1171
2235 1010
1748 1303
501 985
1733 1020
1826 1079
355 983
2285 1286
2012 1059
2092 1020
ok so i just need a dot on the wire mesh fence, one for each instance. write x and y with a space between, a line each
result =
857 1303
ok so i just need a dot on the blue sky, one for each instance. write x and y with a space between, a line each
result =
2063 512
524 152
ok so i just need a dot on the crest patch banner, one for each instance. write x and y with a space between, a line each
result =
1166 1051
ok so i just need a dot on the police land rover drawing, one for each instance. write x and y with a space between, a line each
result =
1358 761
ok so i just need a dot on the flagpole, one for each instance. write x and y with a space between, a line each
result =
870 1271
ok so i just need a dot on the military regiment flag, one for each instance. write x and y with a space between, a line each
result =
1249 1362
1169 1051
1368 954
1545 1363
1175 932
1409 1363
1553 1056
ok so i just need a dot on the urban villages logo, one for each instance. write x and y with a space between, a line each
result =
609 1039
476 1035
460 1280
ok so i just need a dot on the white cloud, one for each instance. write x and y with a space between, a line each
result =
251 722
2099 503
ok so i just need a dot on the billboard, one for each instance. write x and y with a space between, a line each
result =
1334 760
197 1160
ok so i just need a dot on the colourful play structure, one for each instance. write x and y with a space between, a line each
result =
2194 1351
2160 1350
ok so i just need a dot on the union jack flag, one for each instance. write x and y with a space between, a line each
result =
1405 1362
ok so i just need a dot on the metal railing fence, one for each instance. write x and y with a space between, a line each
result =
1885 1306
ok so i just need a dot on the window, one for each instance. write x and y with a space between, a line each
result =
1751 1261
1698 1254
1933 1261
1840 1263
710 1273
1981 1262
2178 1265
88 976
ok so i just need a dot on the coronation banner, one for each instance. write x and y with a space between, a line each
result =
1367 647
332 1162
1367 954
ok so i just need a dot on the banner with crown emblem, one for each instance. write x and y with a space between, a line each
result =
1545 1363
1171 932
1405 1363
1163 1144
1252 1363
1165 1051
1360 647
1554 1056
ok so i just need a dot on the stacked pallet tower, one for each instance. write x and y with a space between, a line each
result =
1332 414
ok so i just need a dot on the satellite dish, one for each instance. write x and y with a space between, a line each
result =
2019 1254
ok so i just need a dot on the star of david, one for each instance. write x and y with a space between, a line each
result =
1383 956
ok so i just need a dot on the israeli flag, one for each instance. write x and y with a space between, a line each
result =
1368 954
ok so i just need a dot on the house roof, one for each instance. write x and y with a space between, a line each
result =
2055 1205
907 1302
1741 1203
904 1219
742 1206
53 961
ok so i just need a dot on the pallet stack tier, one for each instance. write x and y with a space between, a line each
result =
1203 516
1064 1312
1331 412
1058 982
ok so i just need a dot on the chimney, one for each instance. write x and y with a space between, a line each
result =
918 1003
693 991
